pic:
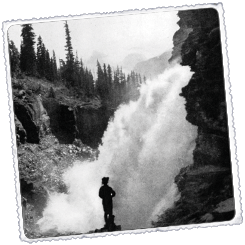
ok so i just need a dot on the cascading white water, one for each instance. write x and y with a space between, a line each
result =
143 149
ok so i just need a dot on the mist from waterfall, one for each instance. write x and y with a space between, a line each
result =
144 147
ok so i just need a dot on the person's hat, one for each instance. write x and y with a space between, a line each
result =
105 180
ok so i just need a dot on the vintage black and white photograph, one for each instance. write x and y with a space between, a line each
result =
121 122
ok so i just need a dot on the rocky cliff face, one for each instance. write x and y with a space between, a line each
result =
206 184
205 93
32 121
40 111
91 124
84 122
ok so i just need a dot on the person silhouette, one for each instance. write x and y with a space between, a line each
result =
106 193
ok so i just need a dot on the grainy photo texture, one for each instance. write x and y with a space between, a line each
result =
121 122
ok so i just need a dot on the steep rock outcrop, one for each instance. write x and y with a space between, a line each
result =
31 114
68 123
42 108
205 93
91 124
208 182
204 191
62 120
178 40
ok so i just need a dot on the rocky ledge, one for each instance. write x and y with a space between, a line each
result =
206 196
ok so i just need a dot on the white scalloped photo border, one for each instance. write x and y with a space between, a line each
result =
235 168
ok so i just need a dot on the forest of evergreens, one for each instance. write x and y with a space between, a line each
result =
111 85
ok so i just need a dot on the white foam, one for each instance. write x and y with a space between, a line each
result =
143 149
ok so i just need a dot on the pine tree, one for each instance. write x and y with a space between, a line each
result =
40 57
51 69
76 75
48 66
99 82
109 74
110 84
43 60
69 69
88 83
54 67
82 75
91 84
104 74
116 88
14 58
68 46
102 85
27 54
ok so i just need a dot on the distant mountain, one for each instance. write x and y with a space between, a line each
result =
131 60
154 66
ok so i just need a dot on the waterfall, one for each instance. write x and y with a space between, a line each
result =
143 149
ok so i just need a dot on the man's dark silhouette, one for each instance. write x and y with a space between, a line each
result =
107 193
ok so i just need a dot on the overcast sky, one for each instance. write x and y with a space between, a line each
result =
149 34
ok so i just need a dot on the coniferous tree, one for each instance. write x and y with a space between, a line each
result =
76 73
91 84
48 66
116 88
61 70
82 75
106 86
88 83
122 86
40 57
77 63
14 58
68 74
27 53
68 46
109 75
99 82
43 60
51 68
110 84
104 74
54 67
102 84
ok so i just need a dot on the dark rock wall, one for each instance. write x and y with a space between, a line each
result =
198 45
208 181
62 120
205 93
85 123
91 124
31 117
53 109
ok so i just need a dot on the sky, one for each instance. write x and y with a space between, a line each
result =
111 37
